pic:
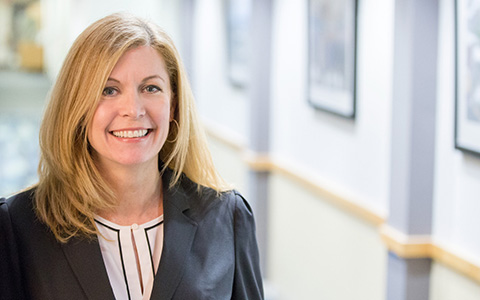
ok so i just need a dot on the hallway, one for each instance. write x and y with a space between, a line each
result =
370 203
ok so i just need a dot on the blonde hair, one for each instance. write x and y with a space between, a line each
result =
70 188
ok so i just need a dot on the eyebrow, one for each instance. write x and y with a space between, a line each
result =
152 77
143 80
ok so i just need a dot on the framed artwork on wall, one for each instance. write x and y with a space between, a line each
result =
238 13
332 41
467 85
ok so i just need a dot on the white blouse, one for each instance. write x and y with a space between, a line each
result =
131 255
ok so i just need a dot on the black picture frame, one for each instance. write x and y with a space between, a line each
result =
332 56
467 76
238 19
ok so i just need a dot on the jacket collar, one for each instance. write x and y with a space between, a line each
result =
85 256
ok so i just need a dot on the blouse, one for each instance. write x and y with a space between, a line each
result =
131 255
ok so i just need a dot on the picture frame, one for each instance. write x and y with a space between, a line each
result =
332 51
238 16
467 76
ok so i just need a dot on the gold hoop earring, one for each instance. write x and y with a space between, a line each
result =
176 134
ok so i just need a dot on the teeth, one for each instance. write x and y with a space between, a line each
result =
130 133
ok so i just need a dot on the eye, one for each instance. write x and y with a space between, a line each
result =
152 89
109 91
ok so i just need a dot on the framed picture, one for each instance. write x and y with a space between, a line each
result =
332 39
238 14
467 85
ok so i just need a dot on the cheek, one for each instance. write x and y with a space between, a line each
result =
97 125
101 114
161 112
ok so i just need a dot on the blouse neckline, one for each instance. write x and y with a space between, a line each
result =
131 254
133 226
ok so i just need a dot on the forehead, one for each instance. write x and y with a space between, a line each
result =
141 61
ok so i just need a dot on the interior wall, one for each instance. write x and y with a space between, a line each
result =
218 100
317 250
446 284
457 188
351 154
456 225
326 248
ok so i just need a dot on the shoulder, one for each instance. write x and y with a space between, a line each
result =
225 203
10 275
19 207
18 201
199 201
204 201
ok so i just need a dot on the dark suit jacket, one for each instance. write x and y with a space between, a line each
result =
210 251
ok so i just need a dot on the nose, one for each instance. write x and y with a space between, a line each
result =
132 105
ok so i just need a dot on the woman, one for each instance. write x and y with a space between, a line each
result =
128 204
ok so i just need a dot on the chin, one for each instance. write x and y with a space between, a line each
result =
138 160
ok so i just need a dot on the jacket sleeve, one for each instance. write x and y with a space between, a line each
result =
247 278
10 278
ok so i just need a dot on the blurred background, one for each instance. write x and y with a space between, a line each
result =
352 128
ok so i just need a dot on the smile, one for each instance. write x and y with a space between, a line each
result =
128 134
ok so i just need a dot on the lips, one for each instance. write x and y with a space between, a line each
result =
129 134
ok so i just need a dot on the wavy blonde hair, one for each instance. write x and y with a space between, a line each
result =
70 188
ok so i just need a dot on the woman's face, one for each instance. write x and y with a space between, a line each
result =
131 121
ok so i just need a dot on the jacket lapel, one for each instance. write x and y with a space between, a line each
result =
85 257
86 261
179 232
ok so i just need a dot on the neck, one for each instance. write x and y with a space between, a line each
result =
139 193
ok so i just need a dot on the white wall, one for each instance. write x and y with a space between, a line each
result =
353 155
446 284
456 223
318 251
457 175
218 100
